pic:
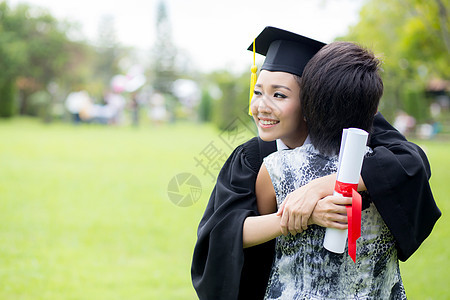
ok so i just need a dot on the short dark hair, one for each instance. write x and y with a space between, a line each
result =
340 88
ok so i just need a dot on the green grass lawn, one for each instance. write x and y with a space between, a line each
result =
85 211
426 274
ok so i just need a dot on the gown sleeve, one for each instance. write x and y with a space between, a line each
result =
221 268
396 176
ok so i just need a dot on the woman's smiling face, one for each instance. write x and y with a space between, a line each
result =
276 108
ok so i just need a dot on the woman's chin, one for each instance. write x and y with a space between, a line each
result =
267 137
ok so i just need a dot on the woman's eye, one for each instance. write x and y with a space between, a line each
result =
256 92
279 95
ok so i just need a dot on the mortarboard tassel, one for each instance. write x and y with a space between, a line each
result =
252 80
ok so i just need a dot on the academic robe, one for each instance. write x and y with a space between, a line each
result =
222 269
402 195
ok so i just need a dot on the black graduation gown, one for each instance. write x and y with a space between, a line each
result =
402 195
219 258
222 269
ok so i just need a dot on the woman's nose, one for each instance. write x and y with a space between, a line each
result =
264 105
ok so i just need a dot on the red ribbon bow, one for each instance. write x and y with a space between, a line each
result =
353 214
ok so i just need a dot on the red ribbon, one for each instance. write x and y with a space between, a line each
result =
353 214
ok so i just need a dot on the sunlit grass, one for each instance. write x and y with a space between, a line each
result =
85 214
426 274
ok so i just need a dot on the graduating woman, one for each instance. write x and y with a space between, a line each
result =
341 88
395 175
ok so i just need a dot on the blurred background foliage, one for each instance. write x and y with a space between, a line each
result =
412 37
43 60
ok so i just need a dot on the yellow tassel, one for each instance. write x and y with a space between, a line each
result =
253 78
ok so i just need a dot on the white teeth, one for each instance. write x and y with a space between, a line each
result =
267 122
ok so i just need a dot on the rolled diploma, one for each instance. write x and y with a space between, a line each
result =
353 148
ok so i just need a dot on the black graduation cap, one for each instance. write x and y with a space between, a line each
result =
285 51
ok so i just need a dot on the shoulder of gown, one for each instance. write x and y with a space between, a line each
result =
396 175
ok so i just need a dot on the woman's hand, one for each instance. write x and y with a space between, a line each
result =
331 212
298 206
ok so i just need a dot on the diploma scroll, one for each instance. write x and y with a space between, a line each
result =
353 148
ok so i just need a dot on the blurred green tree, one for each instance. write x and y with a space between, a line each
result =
34 51
412 37
108 51
164 52
12 57
233 102
45 54
205 106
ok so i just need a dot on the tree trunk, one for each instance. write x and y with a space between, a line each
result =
7 98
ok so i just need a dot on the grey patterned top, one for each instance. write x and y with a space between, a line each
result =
303 269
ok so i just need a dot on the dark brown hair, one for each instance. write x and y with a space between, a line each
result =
340 88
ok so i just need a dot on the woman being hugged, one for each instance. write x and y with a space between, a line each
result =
340 88
221 267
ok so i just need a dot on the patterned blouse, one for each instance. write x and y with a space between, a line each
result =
303 268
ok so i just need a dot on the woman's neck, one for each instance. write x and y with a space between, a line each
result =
294 142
